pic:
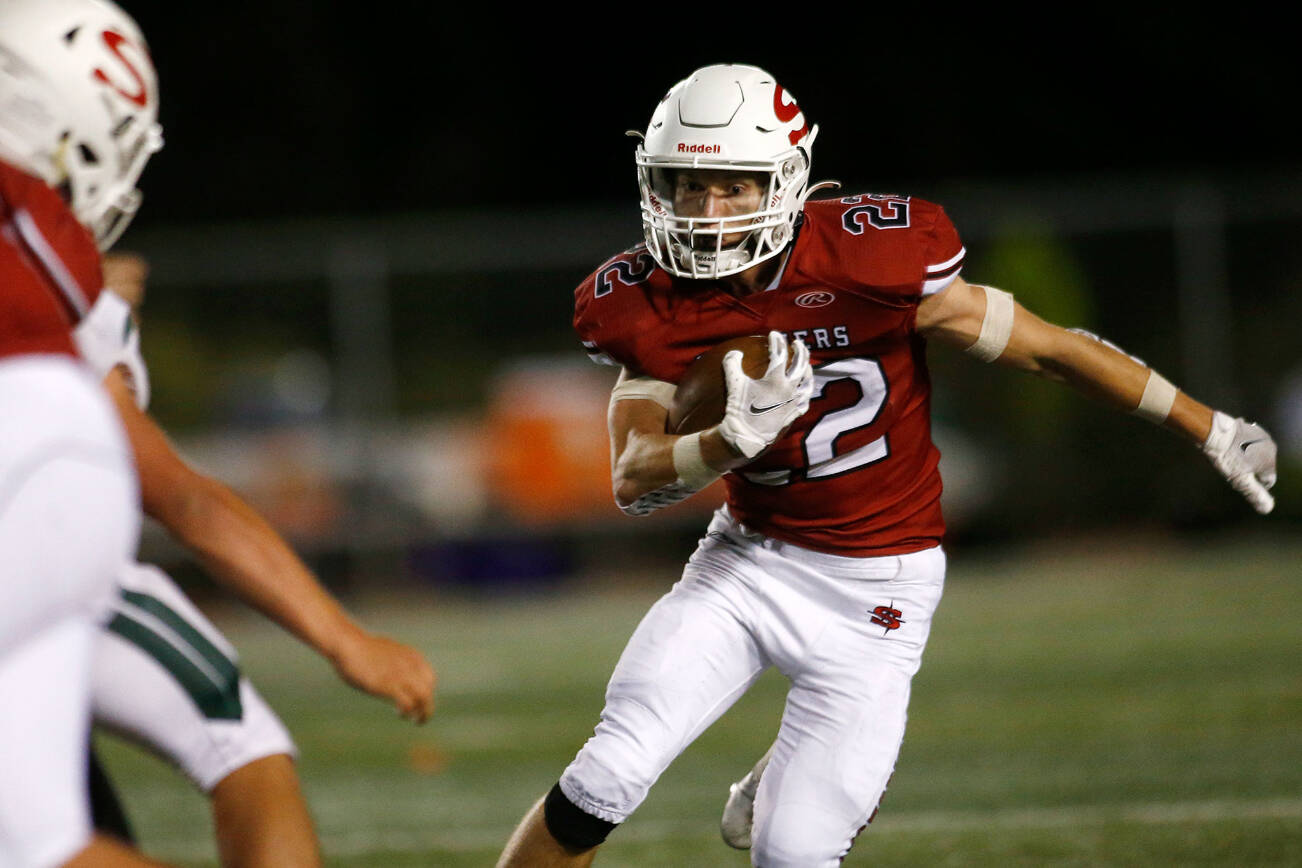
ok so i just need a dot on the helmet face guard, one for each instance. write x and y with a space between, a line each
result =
724 118
107 203
79 105
696 245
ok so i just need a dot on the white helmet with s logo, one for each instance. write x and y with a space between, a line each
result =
729 117
79 105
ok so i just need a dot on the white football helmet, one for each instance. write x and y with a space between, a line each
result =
730 117
79 105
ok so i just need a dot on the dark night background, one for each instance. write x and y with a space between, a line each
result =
286 108
1135 175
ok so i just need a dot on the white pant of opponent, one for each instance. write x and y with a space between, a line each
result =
166 678
848 633
69 515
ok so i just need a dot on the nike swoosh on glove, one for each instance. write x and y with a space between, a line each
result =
1245 455
759 410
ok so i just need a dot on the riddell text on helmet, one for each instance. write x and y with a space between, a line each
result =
699 149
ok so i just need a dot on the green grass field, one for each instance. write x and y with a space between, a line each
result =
1141 706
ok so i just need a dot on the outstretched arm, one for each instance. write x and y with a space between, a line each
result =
990 325
242 552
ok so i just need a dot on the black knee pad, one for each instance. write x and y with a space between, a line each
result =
572 826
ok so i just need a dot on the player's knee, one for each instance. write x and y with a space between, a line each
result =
637 738
796 838
646 722
801 855
572 826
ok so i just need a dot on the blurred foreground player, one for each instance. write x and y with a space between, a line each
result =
826 560
165 677
78 103
162 673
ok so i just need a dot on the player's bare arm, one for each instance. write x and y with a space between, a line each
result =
962 314
955 316
126 274
246 555
651 469
642 454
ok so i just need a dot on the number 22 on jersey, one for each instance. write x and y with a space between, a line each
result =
819 442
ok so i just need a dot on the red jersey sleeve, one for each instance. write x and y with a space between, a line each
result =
611 308
891 249
49 264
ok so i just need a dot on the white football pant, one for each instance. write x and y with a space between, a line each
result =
167 679
848 633
69 515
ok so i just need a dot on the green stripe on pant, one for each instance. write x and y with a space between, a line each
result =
218 698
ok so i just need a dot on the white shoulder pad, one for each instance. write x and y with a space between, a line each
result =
108 337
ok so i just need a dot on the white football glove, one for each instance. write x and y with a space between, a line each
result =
1245 455
760 410
107 337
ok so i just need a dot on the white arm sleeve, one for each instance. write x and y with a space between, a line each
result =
108 337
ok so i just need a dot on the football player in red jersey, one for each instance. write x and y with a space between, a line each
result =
78 108
78 103
826 560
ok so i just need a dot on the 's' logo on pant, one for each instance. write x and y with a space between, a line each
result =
888 617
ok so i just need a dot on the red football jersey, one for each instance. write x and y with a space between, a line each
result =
857 474
49 267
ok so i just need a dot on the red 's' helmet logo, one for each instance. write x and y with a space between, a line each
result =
114 41
786 112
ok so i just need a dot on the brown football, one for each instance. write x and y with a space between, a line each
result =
701 397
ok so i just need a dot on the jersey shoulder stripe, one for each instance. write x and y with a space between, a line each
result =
51 263
53 237
942 274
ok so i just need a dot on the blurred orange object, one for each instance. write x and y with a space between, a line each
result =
547 451
547 457
426 759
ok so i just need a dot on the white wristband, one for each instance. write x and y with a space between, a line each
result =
690 463
1155 403
996 326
